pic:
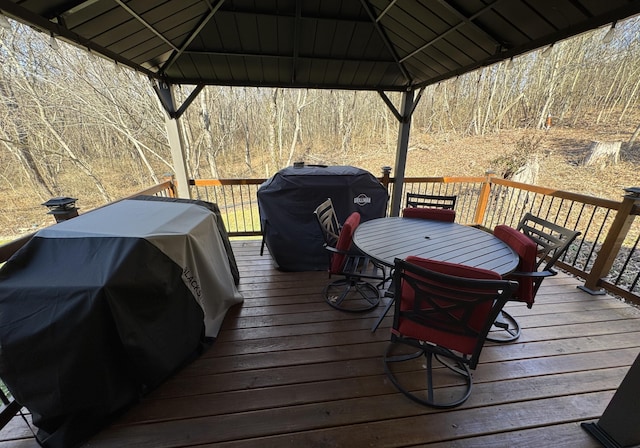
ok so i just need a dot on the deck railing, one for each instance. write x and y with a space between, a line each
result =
606 254
237 200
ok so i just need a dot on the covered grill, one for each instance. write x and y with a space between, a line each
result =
287 201
100 309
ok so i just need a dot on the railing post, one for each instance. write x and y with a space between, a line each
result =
386 177
386 181
170 177
613 242
483 199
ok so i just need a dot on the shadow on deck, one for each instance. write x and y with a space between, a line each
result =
288 370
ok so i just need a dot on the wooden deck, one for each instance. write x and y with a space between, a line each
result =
288 370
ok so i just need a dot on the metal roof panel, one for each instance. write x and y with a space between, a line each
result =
348 44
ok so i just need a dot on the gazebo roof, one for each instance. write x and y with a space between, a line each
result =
387 45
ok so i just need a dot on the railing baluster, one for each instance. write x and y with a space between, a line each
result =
626 263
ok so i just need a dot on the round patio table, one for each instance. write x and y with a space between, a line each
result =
385 239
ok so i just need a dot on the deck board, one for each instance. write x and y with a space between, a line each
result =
288 370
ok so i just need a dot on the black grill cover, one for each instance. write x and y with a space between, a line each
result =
287 201
98 310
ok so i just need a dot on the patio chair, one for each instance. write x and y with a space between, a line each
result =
354 292
443 312
539 243
431 200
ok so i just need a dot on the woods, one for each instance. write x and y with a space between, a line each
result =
75 124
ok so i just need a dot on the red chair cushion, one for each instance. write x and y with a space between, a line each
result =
344 242
460 343
436 214
527 250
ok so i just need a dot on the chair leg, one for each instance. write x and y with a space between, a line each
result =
385 278
351 295
430 397
443 397
505 328
363 288
382 316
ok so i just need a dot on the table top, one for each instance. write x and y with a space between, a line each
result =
385 239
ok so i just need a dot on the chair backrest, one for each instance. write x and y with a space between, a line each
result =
552 240
436 214
431 200
449 305
539 244
327 219
344 242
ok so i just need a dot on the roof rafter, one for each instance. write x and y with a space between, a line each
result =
146 24
387 42
43 24
464 21
296 40
178 51
289 56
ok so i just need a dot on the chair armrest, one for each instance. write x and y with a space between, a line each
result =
335 250
539 274
351 253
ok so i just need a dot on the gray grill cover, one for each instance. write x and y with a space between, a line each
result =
287 201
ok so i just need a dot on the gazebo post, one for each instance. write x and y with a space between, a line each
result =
618 426
179 159
165 94
404 117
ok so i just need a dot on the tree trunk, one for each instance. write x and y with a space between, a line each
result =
546 109
527 174
603 153
20 148
273 123
300 104
205 116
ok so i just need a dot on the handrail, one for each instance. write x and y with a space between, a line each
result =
10 248
168 188
486 201
578 197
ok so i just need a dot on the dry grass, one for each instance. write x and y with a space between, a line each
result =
561 153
